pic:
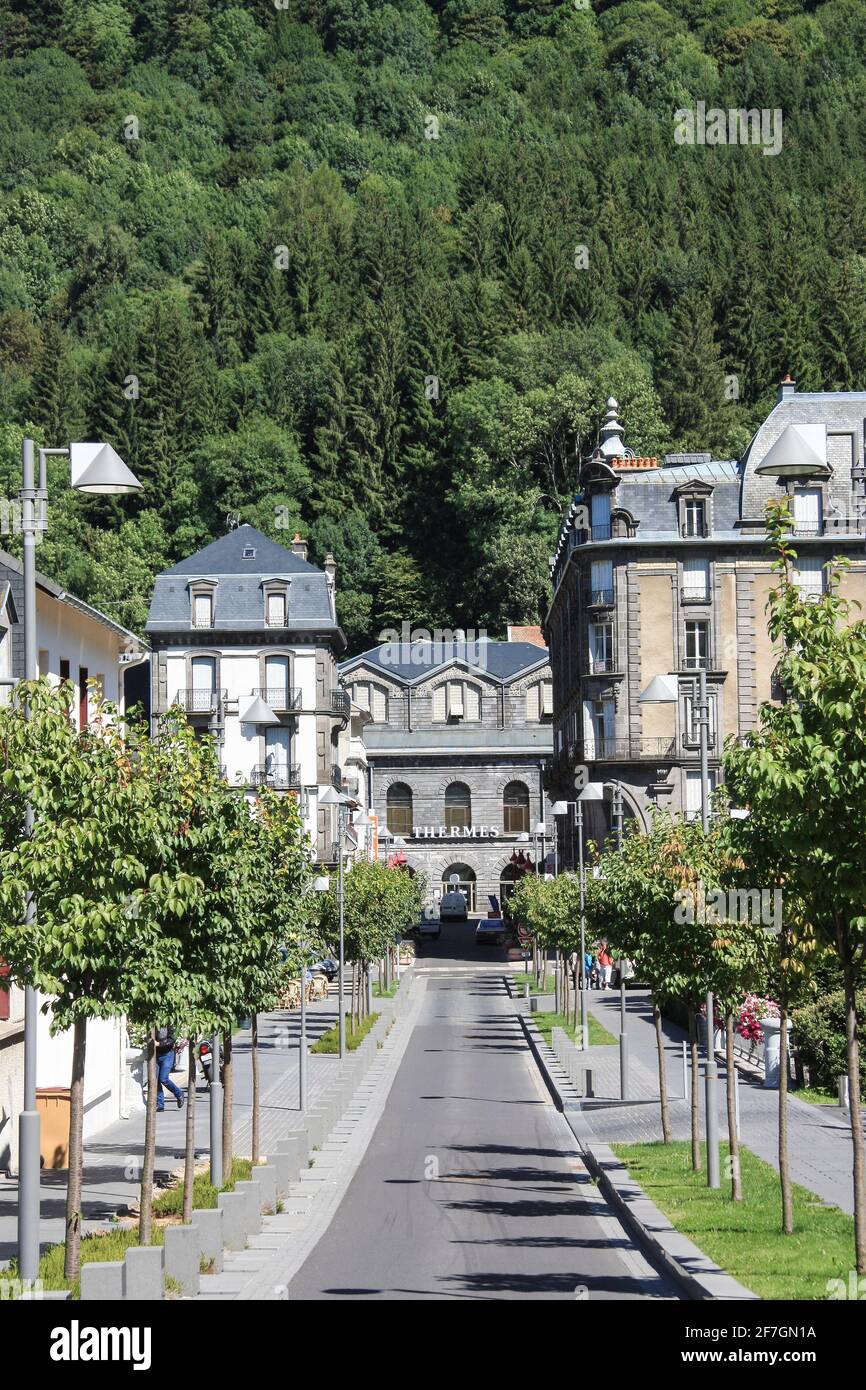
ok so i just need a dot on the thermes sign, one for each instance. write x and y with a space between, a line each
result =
454 832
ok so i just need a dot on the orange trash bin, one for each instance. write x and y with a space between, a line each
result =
52 1104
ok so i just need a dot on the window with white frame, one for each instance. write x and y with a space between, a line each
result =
600 647
601 581
539 702
600 516
808 576
692 806
691 730
696 579
697 645
694 515
202 610
808 511
276 608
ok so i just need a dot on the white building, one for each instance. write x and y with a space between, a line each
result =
78 643
245 640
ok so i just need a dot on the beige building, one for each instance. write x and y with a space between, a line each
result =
662 568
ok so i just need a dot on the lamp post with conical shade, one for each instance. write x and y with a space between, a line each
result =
94 468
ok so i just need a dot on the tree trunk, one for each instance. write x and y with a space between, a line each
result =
663 1080
145 1205
696 1091
72 1256
733 1136
228 1092
255 1062
784 1171
852 1041
189 1147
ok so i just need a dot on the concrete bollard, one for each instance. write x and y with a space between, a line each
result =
233 1206
252 1193
289 1166
144 1280
102 1281
209 1224
315 1126
266 1177
183 1256
282 1165
298 1142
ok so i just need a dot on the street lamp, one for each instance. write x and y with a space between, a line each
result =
93 468
664 690
331 797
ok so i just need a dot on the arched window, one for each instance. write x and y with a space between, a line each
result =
515 808
458 806
400 809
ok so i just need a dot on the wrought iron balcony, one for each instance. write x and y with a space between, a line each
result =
336 777
628 750
599 598
696 663
695 593
280 697
600 665
195 701
279 777
694 530
340 703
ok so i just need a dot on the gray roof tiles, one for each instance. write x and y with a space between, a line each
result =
416 661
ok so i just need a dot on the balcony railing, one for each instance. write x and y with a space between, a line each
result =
600 665
337 777
279 697
694 530
200 701
626 750
696 663
599 598
280 777
340 703
695 593
199 621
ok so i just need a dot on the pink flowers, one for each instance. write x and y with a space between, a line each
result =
753 1008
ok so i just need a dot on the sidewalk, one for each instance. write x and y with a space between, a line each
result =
819 1135
112 1157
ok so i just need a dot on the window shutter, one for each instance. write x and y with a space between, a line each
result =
473 702
547 697
455 700
362 695
439 702
380 705
532 710
696 576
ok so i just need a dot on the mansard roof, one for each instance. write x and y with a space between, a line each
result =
410 662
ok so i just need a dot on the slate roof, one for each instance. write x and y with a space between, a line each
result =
649 496
416 661
238 598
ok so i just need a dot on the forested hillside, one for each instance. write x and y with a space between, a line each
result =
322 265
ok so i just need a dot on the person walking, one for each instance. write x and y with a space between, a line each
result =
165 1044
605 965
588 970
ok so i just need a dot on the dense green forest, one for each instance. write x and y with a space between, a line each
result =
370 269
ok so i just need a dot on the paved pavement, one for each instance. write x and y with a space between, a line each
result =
820 1136
471 1186
112 1160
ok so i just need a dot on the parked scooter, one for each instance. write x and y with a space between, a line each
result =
205 1058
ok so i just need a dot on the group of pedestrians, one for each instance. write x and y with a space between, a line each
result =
599 965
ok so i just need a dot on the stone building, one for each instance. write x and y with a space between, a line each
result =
457 743
663 569
246 640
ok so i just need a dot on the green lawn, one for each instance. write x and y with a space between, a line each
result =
113 1244
536 985
598 1036
330 1041
745 1238
816 1095
380 993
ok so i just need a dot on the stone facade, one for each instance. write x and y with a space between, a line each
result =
441 759
664 570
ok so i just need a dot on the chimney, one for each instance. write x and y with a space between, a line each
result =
526 634
786 388
299 547
330 568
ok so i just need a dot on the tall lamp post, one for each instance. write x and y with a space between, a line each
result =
93 468
664 690
331 797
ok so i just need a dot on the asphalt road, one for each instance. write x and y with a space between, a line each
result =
471 1186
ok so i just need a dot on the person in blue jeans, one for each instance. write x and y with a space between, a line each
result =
165 1043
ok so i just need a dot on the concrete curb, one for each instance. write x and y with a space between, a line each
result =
694 1273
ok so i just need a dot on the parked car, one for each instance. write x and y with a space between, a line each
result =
491 931
326 967
428 930
453 906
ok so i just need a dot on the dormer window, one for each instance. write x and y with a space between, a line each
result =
276 604
249 552
694 516
202 608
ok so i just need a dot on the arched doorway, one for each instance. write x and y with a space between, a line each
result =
508 881
465 877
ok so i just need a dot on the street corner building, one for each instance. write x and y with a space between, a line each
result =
662 569
246 641
458 736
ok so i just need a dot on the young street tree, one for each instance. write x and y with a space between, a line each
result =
802 774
